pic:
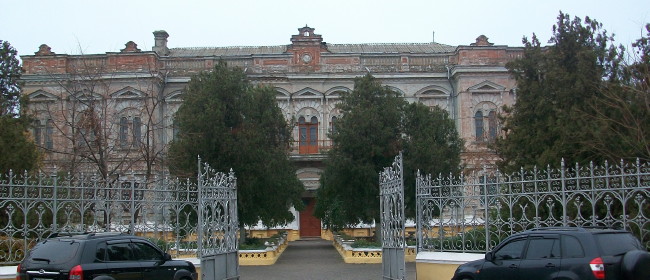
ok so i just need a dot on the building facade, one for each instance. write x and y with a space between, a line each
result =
113 113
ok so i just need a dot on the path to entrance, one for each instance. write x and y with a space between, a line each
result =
315 259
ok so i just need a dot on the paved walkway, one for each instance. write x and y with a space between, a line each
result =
315 259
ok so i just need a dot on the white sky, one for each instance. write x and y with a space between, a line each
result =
99 26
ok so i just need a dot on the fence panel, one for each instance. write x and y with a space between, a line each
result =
32 207
474 213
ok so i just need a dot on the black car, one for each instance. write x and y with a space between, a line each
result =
101 256
562 253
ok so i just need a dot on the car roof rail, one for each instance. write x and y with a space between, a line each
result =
106 233
558 229
65 233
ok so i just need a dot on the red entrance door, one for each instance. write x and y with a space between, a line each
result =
309 225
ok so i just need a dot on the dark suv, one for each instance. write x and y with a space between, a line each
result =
101 256
562 253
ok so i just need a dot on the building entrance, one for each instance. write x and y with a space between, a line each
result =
309 224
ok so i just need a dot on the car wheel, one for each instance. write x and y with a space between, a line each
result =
635 265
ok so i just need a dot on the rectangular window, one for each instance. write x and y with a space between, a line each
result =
137 131
124 130
49 131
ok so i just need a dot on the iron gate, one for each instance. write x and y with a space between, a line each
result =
391 191
218 224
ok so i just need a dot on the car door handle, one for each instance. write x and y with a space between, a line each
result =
512 266
550 265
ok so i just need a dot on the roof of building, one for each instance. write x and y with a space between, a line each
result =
379 48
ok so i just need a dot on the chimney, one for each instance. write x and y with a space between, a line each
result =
160 45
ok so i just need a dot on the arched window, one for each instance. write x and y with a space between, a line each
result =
175 130
87 129
137 131
49 131
486 126
492 125
478 123
37 129
333 124
124 131
308 135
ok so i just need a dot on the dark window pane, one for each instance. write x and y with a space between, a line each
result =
613 244
540 249
492 124
120 252
37 132
478 123
100 254
137 130
303 136
313 135
124 130
55 252
571 247
511 251
146 252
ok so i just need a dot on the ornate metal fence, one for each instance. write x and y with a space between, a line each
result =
474 213
218 224
34 206
391 191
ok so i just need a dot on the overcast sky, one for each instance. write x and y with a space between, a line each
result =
90 26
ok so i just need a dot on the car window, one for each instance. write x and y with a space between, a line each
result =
100 252
145 251
540 248
512 250
571 247
54 252
120 252
614 244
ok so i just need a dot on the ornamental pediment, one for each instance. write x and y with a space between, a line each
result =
128 93
487 86
308 92
85 95
41 96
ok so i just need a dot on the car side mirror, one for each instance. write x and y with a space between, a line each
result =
489 257
167 257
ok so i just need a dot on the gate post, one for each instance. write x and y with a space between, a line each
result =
391 195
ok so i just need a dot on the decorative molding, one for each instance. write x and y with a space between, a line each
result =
174 97
128 93
486 86
42 96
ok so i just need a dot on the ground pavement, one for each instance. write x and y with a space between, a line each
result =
315 259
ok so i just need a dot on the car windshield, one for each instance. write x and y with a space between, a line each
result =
53 252
614 244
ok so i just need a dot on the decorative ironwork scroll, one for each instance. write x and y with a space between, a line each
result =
474 213
34 206
391 191
218 224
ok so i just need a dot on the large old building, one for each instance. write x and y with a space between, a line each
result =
113 112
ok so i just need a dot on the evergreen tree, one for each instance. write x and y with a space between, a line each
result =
376 124
17 150
622 112
10 72
232 124
555 87
432 145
